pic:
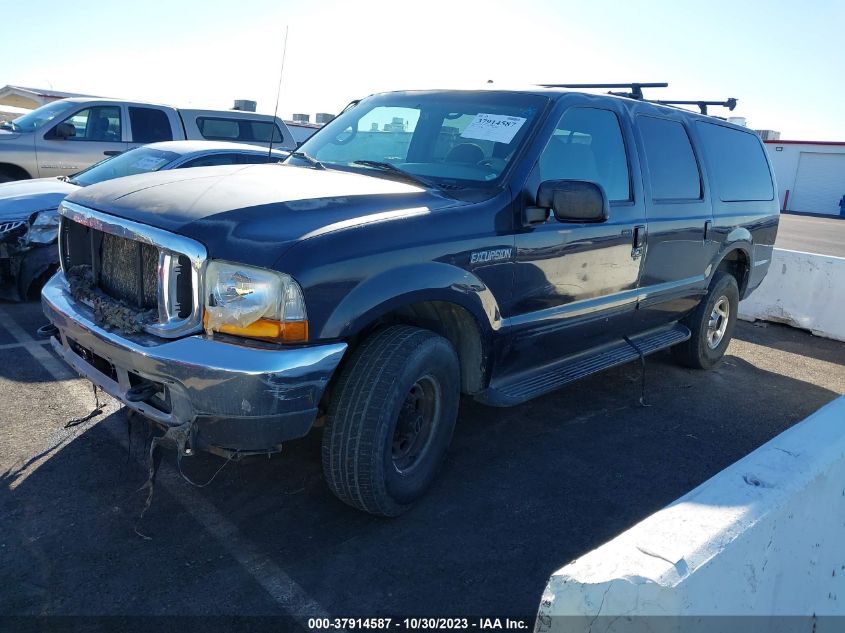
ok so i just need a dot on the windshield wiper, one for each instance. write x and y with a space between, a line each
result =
6 125
396 170
308 159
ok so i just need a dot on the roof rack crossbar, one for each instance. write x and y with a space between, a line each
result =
636 87
730 104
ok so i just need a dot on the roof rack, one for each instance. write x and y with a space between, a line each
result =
636 88
730 104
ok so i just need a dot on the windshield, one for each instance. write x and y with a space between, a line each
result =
38 117
136 161
462 139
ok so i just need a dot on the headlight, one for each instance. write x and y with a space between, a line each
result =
254 302
44 228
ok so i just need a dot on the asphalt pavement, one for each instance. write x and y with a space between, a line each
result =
812 234
524 491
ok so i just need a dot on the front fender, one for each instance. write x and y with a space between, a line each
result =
398 287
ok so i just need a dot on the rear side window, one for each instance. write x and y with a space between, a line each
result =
587 145
211 160
738 163
149 125
672 167
226 129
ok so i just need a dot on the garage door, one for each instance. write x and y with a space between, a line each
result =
820 183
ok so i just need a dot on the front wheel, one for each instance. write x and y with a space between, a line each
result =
390 419
711 324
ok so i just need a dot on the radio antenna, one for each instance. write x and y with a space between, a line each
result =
278 93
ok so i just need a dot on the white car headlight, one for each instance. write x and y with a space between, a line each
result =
44 229
254 302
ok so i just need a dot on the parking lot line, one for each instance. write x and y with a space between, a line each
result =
283 589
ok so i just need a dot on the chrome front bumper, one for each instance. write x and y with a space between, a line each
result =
240 398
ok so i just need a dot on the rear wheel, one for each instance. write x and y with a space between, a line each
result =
711 324
391 419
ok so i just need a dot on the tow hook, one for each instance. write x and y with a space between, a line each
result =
46 331
141 392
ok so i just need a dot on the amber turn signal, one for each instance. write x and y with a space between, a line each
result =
266 330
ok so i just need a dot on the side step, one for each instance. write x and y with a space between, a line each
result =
527 385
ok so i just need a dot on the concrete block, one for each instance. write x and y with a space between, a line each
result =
764 537
804 290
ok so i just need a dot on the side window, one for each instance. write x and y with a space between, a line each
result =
99 123
255 159
672 166
226 129
587 145
213 159
149 125
738 163
261 130
219 129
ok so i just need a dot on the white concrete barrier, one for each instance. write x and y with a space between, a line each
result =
804 290
764 537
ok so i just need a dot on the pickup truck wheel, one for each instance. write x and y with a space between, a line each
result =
712 324
390 419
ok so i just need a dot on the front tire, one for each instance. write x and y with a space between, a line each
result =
711 324
390 419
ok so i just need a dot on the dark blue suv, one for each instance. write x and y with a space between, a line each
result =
423 245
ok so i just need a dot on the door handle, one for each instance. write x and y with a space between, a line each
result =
638 242
111 152
708 227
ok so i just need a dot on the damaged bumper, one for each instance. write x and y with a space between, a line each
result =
239 398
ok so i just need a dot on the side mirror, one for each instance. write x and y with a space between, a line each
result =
63 130
574 200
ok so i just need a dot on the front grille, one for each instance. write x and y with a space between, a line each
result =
129 271
142 276
8 227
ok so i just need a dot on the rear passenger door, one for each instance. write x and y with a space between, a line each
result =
575 284
149 125
678 247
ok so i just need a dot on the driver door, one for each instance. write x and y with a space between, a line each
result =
575 284
98 134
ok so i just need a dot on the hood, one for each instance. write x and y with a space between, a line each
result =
22 198
8 135
252 214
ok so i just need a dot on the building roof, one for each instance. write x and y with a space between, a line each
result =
24 97
805 142
42 92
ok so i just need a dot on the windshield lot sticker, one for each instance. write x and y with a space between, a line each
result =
149 163
493 127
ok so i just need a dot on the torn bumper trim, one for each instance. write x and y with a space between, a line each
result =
240 397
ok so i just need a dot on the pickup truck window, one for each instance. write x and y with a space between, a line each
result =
738 163
136 161
149 125
38 117
99 123
672 167
227 129
587 145
464 139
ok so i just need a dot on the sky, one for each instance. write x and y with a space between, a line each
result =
783 61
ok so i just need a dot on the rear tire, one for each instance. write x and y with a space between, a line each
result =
390 419
711 324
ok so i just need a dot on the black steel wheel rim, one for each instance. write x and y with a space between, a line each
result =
415 424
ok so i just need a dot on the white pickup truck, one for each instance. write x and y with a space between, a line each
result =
66 136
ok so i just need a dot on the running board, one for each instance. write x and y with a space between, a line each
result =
527 385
